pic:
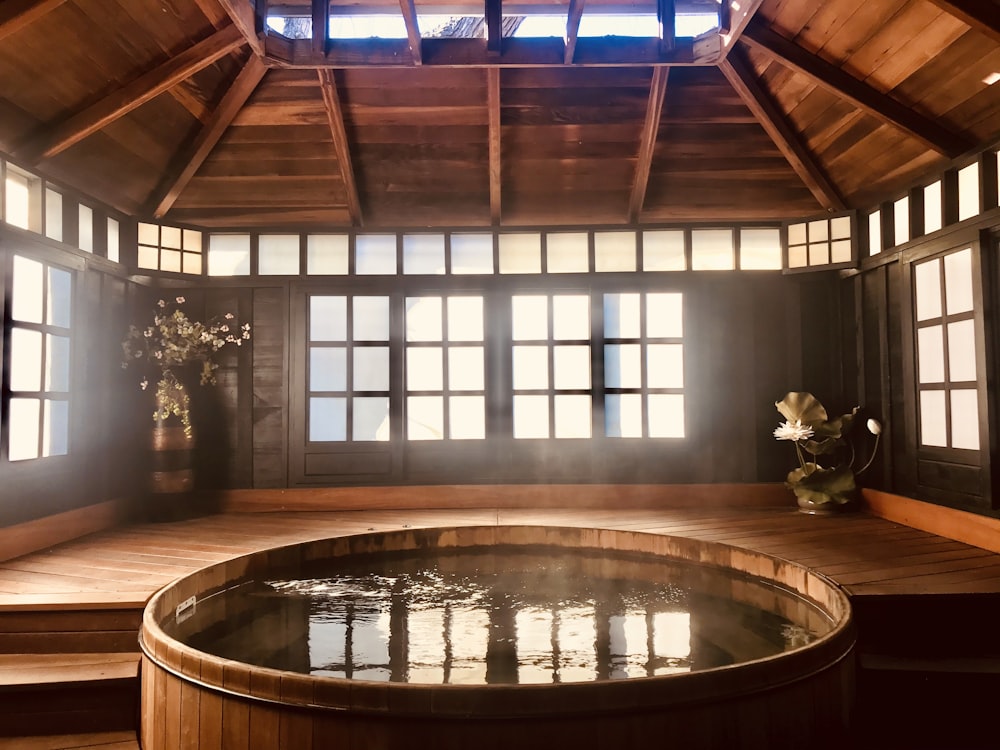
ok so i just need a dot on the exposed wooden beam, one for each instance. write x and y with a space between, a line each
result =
739 17
244 16
647 142
666 13
982 15
320 26
335 116
138 92
885 108
493 98
573 28
213 12
409 9
16 14
184 168
737 70
494 27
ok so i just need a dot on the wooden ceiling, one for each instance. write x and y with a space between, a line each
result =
187 111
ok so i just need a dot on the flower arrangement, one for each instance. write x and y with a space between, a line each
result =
808 426
173 341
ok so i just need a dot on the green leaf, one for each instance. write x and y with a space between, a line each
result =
820 486
802 406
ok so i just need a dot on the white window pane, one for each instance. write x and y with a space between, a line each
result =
664 315
818 231
573 416
819 254
59 309
328 369
798 257
875 232
149 234
521 253
531 417
327 318
85 238
614 251
572 367
530 318
927 283
23 425
327 254
148 257
25 360
371 419
932 207
371 368
672 635
278 255
191 263
56 363
465 368
192 240
375 254
623 415
465 318
423 319
28 287
665 366
114 239
901 220
371 318
424 370
840 228
170 260
55 433
17 205
571 317
968 191
958 281
666 415
933 427
797 234
170 237
930 354
621 316
711 249
961 351
760 249
229 255
53 215
663 250
965 419
423 253
566 252
623 366
471 253
531 367
425 418
840 251
467 417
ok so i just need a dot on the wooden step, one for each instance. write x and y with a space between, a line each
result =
125 740
87 625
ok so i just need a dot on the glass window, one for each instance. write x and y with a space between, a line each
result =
901 220
663 250
614 251
229 255
932 207
520 253
423 254
471 253
566 252
375 254
114 246
712 250
327 254
875 232
968 191
278 254
85 236
760 249
22 199
53 215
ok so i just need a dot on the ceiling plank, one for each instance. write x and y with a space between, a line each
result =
17 14
183 169
215 14
138 92
835 80
335 116
494 27
320 26
493 98
244 17
740 75
573 28
982 15
647 143
409 9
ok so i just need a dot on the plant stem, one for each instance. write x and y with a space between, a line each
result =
874 451
798 452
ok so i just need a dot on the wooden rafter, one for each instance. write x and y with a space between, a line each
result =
647 142
138 92
244 17
320 26
494 27
184 168
16 14
213 12
335 116
740 75
736 17
982 15
573 28
835 80
493 98
409 9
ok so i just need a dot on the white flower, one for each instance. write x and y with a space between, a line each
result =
144 384
228 316
793 431
180 300
874 427
161 303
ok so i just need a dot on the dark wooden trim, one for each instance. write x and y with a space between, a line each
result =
741 76
185 167
42 533
573 28
981 15
138 92
647 142
494 27
962 526
493 105
335 117
320 26
17 14
409 11
760 37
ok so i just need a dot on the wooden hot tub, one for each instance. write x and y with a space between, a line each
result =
800 698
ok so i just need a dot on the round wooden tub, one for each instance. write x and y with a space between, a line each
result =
799 698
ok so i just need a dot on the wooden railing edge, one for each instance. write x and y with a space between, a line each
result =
42 533
962 526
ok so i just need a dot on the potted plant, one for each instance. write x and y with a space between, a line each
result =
827 484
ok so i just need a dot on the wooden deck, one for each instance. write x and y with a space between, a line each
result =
864 554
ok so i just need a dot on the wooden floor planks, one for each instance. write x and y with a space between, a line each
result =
856 550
